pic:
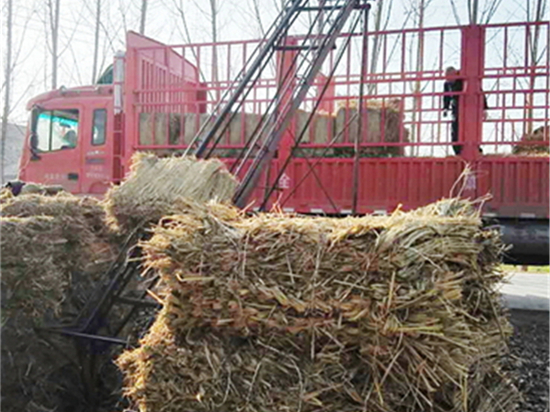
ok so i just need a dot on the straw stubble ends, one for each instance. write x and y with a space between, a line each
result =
290 313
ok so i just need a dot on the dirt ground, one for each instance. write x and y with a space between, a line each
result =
529 358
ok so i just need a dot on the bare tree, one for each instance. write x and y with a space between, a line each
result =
96 39
53 14
178 6
418 8
122 13
256 8
490 10
537 16
212 14
533 36
279 5
381 18
214 27
477 13
143 15
214 19
7 82
53 35
112 32
473 10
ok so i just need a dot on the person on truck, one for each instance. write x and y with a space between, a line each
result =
455 84
69 140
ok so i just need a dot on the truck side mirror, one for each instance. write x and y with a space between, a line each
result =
33 138
33 145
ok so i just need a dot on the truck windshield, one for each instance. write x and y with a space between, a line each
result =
57 130
106 77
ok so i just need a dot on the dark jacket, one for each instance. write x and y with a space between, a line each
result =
451 101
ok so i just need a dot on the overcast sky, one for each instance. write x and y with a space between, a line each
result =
237 20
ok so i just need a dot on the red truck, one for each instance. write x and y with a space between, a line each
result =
156 97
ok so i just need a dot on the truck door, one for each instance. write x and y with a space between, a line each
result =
96 146
56 147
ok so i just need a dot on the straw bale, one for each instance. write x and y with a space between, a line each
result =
64 206
31 188
526 147
54 251
174 131
182 128
373 120
288 313
44 239
41 286
46 190
5 195
380 118
168 128
152 129
320 130
192 124
155 186
242 126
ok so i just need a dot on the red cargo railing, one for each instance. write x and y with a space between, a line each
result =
404 152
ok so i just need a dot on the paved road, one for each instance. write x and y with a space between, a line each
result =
530 291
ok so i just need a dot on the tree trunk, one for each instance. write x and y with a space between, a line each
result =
473 11
417 100
7 90
375 44
143 15
55 40
258 16
214 20
533 60
96 40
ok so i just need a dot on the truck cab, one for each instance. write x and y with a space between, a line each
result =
82 138
68 140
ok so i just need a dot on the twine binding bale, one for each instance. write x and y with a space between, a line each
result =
155 187
286 313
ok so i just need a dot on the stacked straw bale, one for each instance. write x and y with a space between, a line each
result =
44 239
382 122
534 144
284 313
5 195
320 129
155 186
38 189
54 249
180 129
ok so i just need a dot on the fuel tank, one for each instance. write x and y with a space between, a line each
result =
529 240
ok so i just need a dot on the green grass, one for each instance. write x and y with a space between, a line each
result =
545 270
